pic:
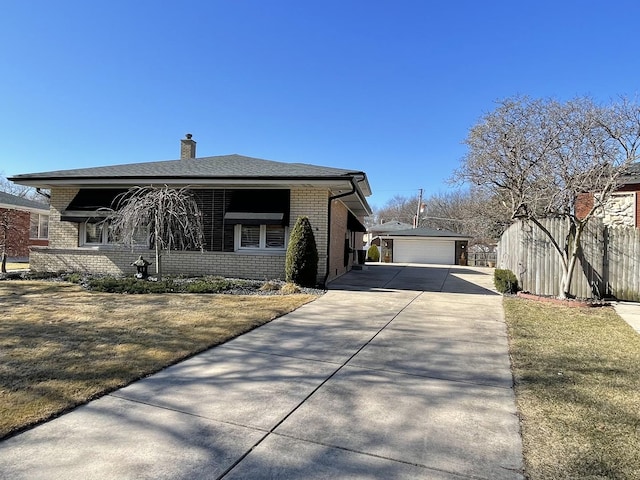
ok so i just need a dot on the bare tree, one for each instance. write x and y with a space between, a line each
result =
22 191
398 208
471 212
14 230
172 215
538 155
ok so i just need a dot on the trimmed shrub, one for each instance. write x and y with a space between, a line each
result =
373 254
505 281
301 264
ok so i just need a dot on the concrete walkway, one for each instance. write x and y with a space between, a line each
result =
629 312
398 372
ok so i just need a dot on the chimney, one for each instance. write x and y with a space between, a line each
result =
187 148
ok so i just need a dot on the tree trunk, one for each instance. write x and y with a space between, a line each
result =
158 253
572 249
3 269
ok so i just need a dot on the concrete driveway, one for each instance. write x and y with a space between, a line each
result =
398 372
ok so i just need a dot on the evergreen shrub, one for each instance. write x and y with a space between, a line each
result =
373 254
301 264
505 281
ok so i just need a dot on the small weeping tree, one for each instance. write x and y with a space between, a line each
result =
172 215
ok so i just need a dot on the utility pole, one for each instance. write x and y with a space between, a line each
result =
416 219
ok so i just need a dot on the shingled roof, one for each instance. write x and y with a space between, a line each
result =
424 232
8 200
222 166
217 170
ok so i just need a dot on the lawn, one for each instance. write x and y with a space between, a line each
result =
61 345
16 266
577 381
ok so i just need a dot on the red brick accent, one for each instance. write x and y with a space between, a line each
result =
584 204
14 232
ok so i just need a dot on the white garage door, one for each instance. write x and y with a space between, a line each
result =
423 251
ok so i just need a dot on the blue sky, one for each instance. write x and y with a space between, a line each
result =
388 87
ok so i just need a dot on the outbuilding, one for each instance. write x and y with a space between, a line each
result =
423 245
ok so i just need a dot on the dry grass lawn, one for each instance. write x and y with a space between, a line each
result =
16 266
61 346
577 376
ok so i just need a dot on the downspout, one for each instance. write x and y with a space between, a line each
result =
332 198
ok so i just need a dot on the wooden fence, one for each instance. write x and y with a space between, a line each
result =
608 266
482 259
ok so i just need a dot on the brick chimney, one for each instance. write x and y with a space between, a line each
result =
187 148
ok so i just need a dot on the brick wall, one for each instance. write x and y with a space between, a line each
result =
14 232
117 262
63 253
339 215
313 203
62 234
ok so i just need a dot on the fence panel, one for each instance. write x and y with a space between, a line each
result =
482 259
609 264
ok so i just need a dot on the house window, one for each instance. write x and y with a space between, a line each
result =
93 234
261 237
250 236
39 226
100 233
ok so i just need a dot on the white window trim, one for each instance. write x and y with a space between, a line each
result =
237 235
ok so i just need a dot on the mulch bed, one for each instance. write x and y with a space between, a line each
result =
566 302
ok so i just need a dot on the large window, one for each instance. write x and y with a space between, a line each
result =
99 233
261 237
39 226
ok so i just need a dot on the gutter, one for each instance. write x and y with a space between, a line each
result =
354 188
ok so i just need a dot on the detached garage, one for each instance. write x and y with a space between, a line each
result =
423 245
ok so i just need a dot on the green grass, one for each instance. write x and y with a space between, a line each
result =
61 345
577 381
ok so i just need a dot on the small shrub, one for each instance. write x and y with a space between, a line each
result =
209 285
72 277
270 286
505 281
301 263
373 254
289 289
129 285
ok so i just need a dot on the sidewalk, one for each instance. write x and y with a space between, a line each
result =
398 372
629 312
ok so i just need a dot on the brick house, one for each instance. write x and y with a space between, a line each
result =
248 206
23 224
622 207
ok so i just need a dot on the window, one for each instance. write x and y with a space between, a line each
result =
100 233
93 234
39 226
262 237
250 236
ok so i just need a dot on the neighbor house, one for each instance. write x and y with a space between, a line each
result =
23 224
248 205
422 245
622 207
384 228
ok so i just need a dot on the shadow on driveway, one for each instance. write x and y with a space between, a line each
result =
416 277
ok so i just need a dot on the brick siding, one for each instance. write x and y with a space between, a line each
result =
63 253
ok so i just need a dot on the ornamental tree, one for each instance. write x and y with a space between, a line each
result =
538 155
